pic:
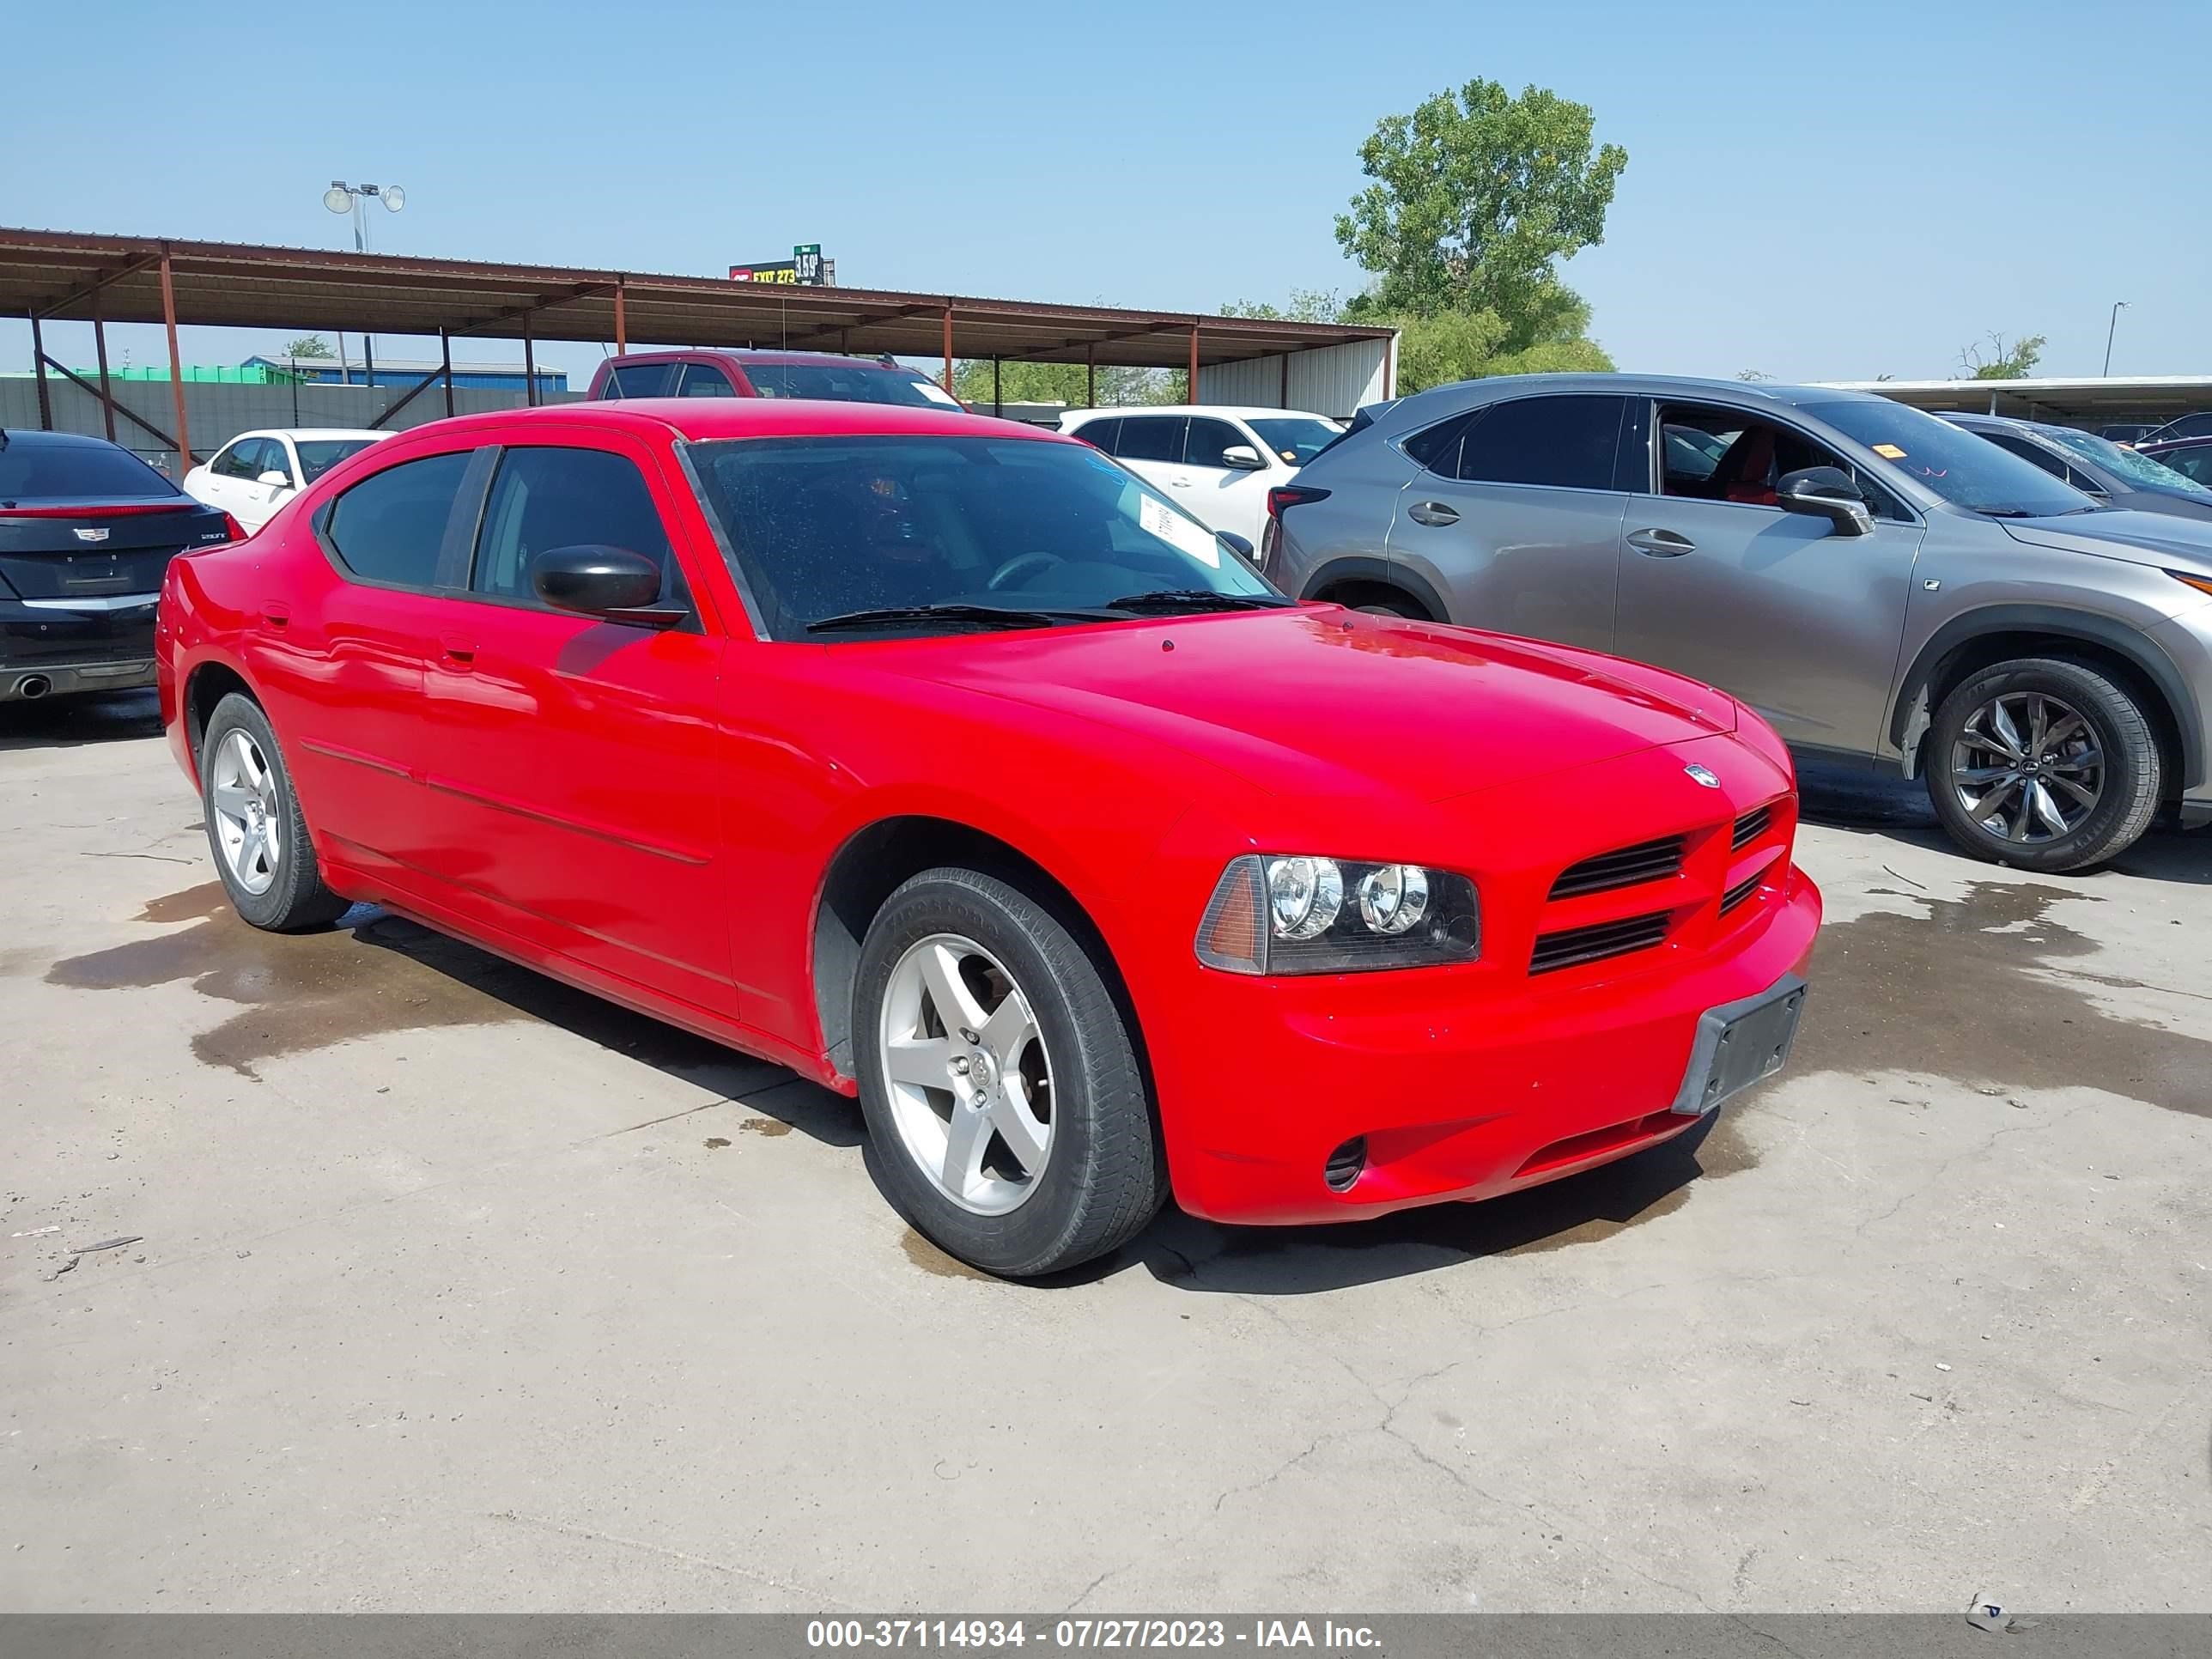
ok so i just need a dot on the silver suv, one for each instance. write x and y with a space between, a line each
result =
1874 581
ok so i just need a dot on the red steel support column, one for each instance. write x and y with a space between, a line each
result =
1284 400
529 366
948 347
1090 375
176 369
621 321
1191 390
38 361
99 348
446 358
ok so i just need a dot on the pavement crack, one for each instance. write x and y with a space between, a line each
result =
593 1534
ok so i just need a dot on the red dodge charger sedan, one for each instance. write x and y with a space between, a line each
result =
949 764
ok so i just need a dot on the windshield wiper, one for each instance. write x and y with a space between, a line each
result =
1197 599
982 615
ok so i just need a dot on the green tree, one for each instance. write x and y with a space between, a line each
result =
1477 196
308 346
1062 383
1307 305
2014 362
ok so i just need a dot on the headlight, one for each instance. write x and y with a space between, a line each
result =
1290 915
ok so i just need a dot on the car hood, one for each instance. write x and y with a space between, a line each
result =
1334 701
2160 539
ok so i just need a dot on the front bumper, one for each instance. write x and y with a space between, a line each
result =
1457 1097
104 648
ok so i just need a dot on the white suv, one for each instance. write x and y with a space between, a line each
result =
1220 463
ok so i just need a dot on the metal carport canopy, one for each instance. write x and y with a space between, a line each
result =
52 275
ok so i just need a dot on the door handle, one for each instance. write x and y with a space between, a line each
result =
275 615
459 652
1178 483
1661 543
1435 514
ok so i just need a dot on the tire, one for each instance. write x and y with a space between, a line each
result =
1058 1058
1410 611
274 884
2096 739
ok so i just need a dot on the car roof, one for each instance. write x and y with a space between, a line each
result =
702 419
39 437
757 355
1230 411
310 433
1648 386
2193 441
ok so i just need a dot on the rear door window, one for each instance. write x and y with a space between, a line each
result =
1150 438
704 380
546 498
2028 452
389 527
1566 442
242 460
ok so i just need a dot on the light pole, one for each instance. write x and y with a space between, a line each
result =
342 198
2118 306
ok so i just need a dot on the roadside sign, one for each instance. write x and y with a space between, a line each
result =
806 268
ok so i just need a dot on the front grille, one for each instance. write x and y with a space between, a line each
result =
1742 890
1648 860
1751 826
1573 946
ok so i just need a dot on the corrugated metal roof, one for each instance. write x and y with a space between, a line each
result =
54 274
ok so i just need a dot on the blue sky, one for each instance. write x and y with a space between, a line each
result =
1861 192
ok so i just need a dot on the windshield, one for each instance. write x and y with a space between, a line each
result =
1964 468
38 468
826 528
1296 439
847 383
2137 469
319 455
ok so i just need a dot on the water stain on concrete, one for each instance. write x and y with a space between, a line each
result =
931 1260
714 1143
1952 994
769 1126
371 975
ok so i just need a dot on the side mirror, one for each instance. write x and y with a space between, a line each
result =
1242 457
282 480
1236 543
1827 492
595 580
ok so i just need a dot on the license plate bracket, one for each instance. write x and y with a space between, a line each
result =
1740 1043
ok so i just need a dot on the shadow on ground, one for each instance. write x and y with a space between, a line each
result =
67 722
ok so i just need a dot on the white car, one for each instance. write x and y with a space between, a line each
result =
257 472
1218 463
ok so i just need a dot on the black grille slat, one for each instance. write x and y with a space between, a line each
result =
1742 890
1571 947
1626 866
1751 826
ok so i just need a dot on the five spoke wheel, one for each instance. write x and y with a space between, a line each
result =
248 811
969 1080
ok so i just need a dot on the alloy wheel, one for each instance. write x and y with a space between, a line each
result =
242 789
969 1080
2027 768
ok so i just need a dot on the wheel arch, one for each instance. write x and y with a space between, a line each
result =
1358 571
1969 643
874 860
208 683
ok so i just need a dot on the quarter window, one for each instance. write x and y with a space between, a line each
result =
1100 434
642 380
1150 438
389 527
1568 442
547 498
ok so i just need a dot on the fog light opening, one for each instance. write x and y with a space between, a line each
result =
1345 1165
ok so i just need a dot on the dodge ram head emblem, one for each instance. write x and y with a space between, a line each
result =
1702 775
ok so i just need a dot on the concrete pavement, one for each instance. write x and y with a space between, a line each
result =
452 1289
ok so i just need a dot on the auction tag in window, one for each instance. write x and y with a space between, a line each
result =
1888 452
1185 535
936 393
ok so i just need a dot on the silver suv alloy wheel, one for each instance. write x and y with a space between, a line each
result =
248 811
970 1083
2027 766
